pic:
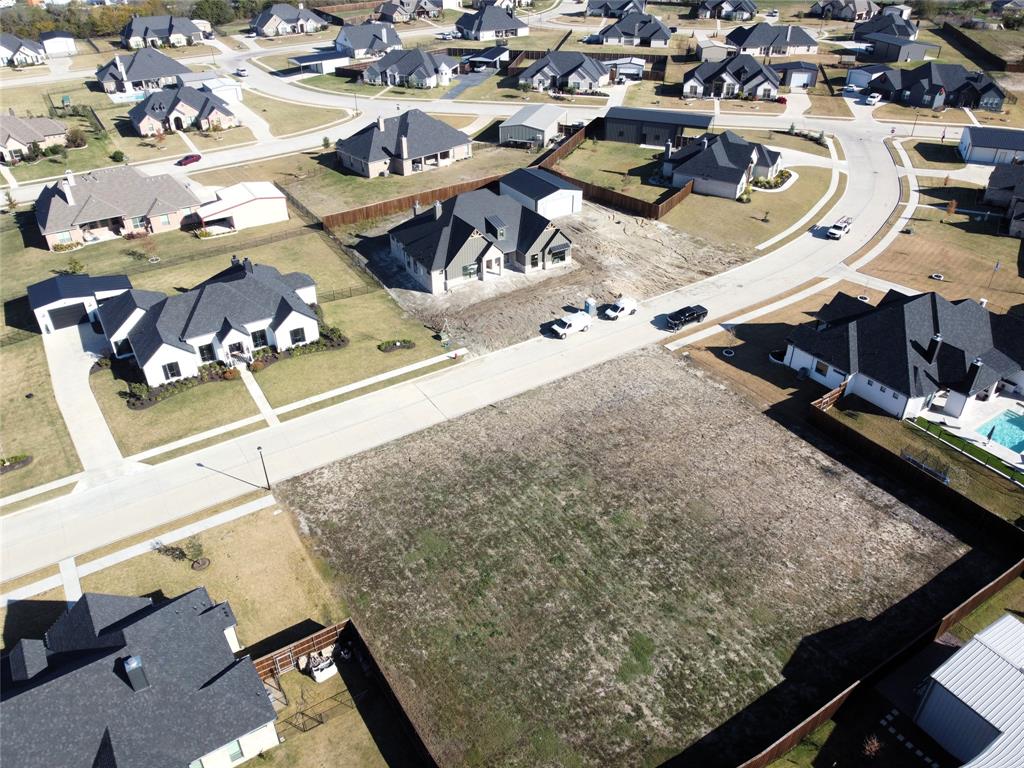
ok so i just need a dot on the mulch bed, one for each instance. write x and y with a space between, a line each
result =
15 465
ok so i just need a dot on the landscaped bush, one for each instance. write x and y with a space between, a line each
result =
393 344
141 395
64 247
775 182
257 365
76 139
12 459
117 156
230 374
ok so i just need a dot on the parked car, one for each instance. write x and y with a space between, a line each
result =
685 316
873 99
622 306
852 89
773 13
242 72
189 159
575 322
840 228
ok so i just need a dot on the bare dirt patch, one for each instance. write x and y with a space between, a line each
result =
612 253
603 570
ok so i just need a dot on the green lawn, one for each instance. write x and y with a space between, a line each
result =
1009 599
32 426
220 139
497 88
828 106
1007 44
314 38
931 155
782 139
623 168
96 154
890 111
340 85
186 413
285 117
367 320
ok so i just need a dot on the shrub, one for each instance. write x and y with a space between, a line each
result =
138 390
63 248
386 346
230 374
74 267
76 138
257 365
201 233
117 156
12 459
102 362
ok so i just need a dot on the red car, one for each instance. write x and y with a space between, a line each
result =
189 159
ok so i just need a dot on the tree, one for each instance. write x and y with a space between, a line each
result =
216 12
117 156
327 143
193 549
74 267
76 138
12 204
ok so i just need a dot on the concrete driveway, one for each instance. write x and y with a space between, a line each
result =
70 353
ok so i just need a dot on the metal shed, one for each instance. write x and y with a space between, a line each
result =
533 126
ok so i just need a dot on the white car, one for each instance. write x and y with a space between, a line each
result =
576 322
840 228
242 72
852 89
873 99
623 306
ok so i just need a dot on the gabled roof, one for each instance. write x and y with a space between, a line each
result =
786 66
235 195
289 14
616 7
734 5
859 6
1008 176
412 63
490 18
930 77
639 26
161 104
56 35
536 183
886 23
370 35
143 64
25 130
159 26
13 43
73 287
897 40
490 54
765 35
996 138
425 136
888 343
565 63
77 709
722 157
743 68
659 116
538 116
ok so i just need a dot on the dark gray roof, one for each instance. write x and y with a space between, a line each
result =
425 135
490 18
786 66
661 116
930 77
616 7
416 62
722 157
639 26
242 293
56 35
289 14
159 26
13 43
564 63
886 23
997 138
371 36
80 711
144 64
160 104
116 311
490 54
744 68
73 287
889 343
1008 176
434 240
747 5
765 35
902 42
536 183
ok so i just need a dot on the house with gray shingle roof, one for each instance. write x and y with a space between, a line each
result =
415 68
1005 189
936 86
636 29
178 108
371 38
398 11
476 236
566 71
845 10
490 23
741 75
157 31
615 9
910 351
111 202
223 319
127 682
886 24
144 70
720 165
409 143
19 52
284 19
17 134
733 10
772 40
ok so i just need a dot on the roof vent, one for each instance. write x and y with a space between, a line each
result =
136 674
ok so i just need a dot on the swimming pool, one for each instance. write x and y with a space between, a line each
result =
1007 429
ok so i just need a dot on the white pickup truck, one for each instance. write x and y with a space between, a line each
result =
574 322
840 228
622 306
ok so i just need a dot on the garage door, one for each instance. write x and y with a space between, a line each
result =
800 80
65 317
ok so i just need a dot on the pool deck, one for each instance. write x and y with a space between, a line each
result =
980 412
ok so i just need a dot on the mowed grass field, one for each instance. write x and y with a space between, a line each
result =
571 578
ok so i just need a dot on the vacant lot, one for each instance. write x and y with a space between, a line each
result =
625 168
570 578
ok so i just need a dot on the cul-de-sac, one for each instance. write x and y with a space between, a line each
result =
512 383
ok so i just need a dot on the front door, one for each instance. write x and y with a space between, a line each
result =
237 348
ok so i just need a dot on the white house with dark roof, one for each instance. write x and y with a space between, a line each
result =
178 108
636 29
400 11
476 236
845 10
414 68
20 52
371 38
719 165
409 143
126 682
223 319
994 146
772 40
912 353
741 75
18 134
1005 189
490 23
886 24
142 71
542 191
567 71
58 44
157 31
285 19
66 300
732 10
615 9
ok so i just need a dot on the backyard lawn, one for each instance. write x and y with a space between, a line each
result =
781 139
366 320
933 156
1010 599
286 117
498 88
95 154
32 426
614 165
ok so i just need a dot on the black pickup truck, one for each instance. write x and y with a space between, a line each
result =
685 316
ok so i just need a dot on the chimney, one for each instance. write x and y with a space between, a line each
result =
65 187
404 144
668 149
302 6
247 265
416 208
933 348
973 371
235 262
136 674
69 176
705 140
120 68
983 302
437 209
380 123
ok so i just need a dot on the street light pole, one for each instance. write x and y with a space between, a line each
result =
266 477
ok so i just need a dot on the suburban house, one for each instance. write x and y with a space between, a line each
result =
885 47
797 74
126 681
144 70
991 145
325 61
67 300
490 23
1006 6
566 71
741 75
935 86
720 165
636 29
111 202
655 127
415 68
631 67
19 52
400 11
845 10
973 705
886 24
542 191
226 88
535 125
284 19
861 77
58 44
615 9
475 236
371 38
490 58
733 10
508 5
243 205
179 108
156 31
772 40
223 319
1006 190
714 49
409 143
18 134
911 351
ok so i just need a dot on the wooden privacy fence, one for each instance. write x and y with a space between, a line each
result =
287 658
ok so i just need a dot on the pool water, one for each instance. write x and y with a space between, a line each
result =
1007 429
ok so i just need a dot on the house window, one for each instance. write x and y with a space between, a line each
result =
883 389
871 383
534 260
138 222
895 396
237 348
621 133
820 368
64 238
165 219
259 338
298 335
196 764
172 371
234 751
206 353
469 270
